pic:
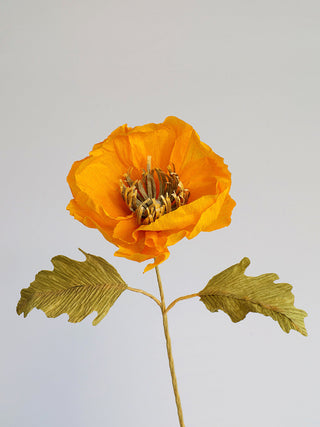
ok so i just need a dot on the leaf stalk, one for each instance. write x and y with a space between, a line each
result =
140 291
181 299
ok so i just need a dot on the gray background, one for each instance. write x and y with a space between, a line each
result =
245 74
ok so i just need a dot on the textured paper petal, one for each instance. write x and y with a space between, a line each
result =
95 185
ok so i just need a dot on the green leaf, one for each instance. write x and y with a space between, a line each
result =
74 287
237 295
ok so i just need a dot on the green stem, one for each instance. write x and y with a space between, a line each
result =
169 350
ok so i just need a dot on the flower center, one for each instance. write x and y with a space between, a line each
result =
153 195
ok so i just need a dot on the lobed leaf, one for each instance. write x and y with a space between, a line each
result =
237 295
74 287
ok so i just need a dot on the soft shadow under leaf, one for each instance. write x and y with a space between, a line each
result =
74 287
237 295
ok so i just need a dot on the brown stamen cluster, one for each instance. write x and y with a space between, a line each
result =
150 199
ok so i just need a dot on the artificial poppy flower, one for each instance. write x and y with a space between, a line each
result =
147 187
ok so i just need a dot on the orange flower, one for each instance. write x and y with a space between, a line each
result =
145 188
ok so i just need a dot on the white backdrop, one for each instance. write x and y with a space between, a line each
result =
246 76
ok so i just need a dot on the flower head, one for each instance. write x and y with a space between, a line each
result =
145 188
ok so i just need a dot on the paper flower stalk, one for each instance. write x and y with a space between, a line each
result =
146 188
